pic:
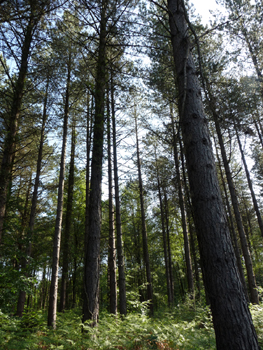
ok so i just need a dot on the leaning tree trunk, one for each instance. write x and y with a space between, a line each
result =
144 230
22 294
231 317
53 294
121 268
112 249
92 255
68 222
255 203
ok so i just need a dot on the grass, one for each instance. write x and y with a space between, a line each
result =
184 328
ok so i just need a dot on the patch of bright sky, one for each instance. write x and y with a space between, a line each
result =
203 8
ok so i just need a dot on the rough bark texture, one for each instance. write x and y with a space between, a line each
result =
121 268
92 256
53 294
144 230
231 317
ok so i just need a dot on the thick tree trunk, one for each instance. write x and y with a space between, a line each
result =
53 294
231 317
144 230
121 268
112 249
92 255
68 222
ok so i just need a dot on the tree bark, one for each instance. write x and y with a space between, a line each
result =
68 222
53 294
112 249
144 230
121 267
231 317
92 255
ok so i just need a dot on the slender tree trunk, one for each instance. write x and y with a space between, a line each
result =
121 268
166 211
255 203
12 128
167 272
189 271
53 294
68 222
92 256
144 230
231 317
112 249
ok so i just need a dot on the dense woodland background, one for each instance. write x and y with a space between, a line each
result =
82 80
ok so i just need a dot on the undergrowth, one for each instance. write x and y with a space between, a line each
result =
184 328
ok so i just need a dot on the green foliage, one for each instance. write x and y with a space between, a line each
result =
183 327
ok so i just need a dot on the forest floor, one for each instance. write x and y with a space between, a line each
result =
183 328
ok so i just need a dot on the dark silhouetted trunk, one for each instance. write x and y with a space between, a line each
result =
231 316
92 255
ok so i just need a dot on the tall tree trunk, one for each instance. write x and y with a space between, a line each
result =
22 294
112 249
121 268
189 271
92 256
12 128
167 271
53 294
255 203
68 222
144 230
231 317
